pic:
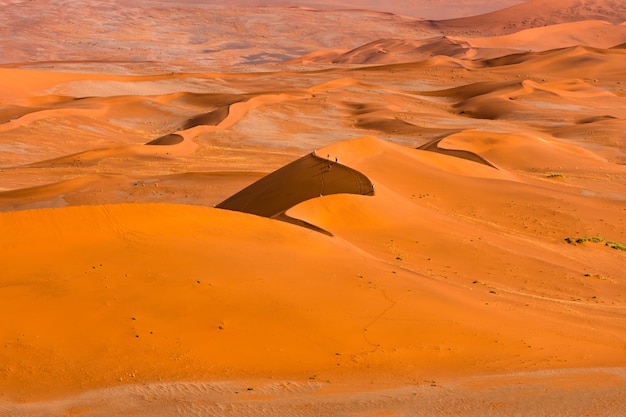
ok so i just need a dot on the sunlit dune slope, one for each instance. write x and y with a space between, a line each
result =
575 62
534 13
390 51
454 219
591 34
451 268
164 292
527 100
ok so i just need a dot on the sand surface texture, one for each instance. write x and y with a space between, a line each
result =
309 208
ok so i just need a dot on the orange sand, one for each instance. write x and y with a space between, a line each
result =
452 196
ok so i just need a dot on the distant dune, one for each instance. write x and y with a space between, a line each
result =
591 34
533 14
437 9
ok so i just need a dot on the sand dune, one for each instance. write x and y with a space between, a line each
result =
199 249
312 208
532 14
415 8
591 34
458 153
391 51
309 177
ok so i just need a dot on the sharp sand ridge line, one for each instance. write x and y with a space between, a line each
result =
296 182
237 111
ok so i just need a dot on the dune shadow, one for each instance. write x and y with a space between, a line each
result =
433 146
171 139
306 178
212 118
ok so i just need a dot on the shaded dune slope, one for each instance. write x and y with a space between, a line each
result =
212 118
306 178
575 60
457 153
171 139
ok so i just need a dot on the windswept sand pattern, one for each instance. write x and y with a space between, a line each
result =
469 397
315 208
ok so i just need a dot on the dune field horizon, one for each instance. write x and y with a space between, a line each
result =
342 208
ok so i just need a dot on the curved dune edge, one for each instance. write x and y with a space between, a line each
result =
227 116
308 177
475 50
457 153
533 14
524 151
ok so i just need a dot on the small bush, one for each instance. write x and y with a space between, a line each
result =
596 239
616 245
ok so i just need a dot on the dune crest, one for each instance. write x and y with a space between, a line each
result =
532 14
311 176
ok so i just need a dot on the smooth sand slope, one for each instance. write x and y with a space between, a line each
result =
535 13
416 285
210 210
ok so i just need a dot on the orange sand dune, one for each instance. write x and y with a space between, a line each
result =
604 131
592 33
574 62
397 269
306 178
201 188
415 8
532 14
459 153
391 51
526 100
158 160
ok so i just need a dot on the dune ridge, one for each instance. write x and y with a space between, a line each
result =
534 13
592 34
309 177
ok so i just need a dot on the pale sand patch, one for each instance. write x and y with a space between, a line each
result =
568 392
